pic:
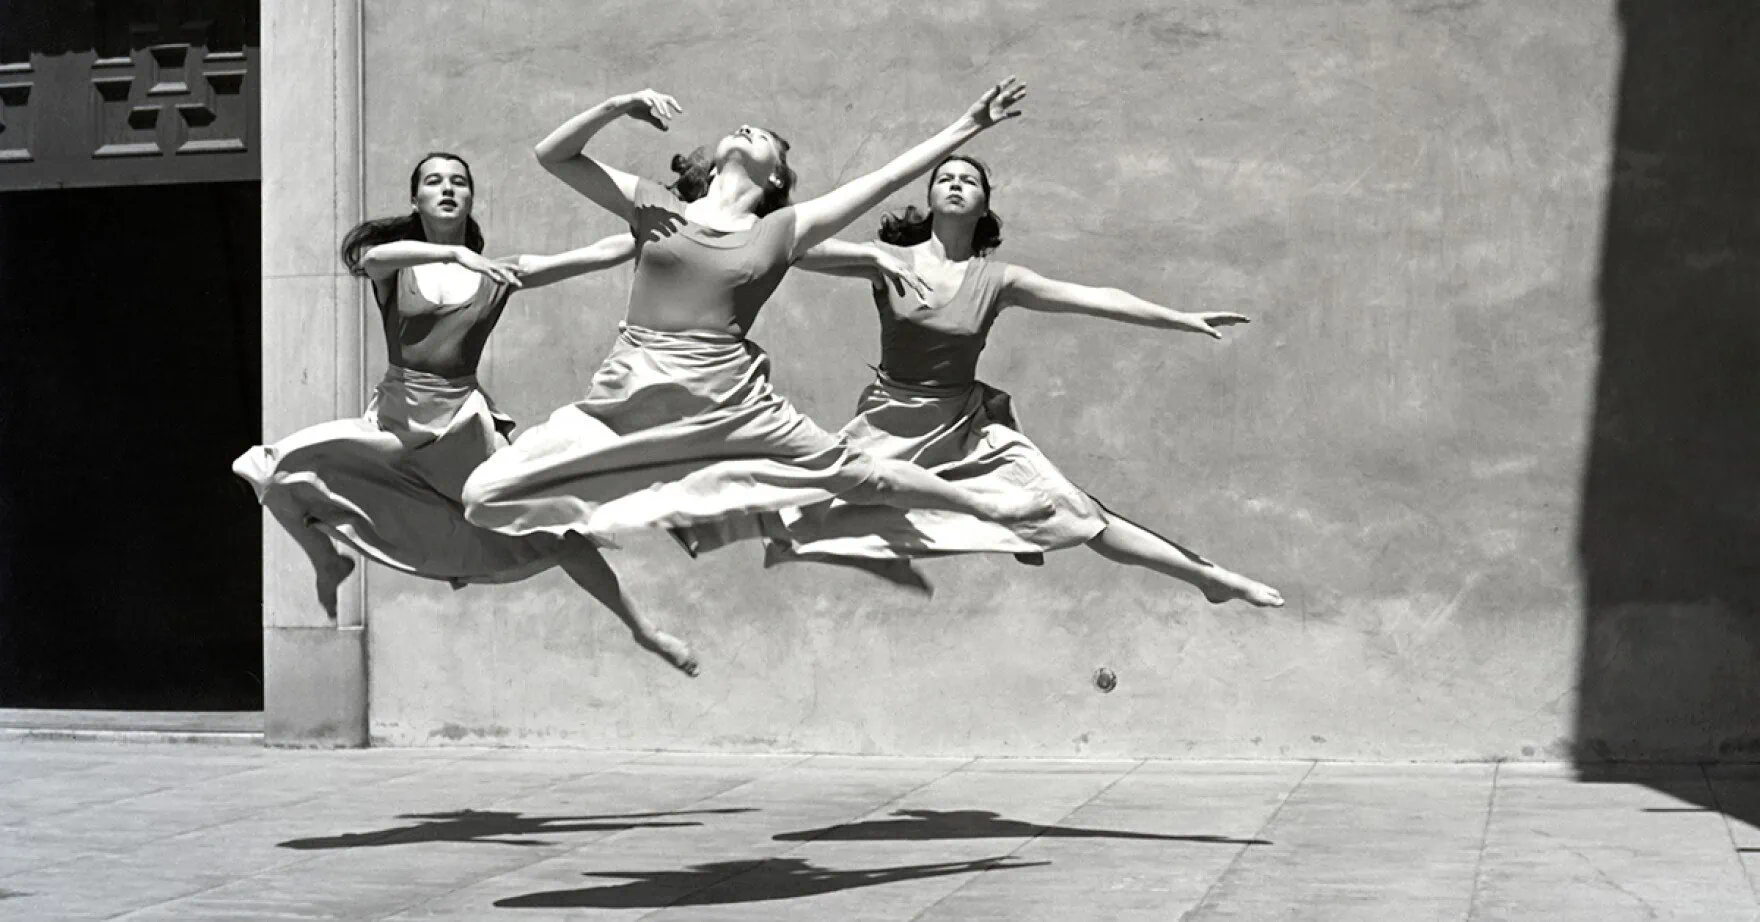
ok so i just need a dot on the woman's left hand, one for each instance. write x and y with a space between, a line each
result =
1207 322
902 276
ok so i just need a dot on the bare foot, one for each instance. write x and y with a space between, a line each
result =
670 649
330 576
1226 587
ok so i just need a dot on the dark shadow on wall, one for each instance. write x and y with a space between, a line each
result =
1670 528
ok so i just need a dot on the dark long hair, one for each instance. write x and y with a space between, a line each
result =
913 226
374 231
697 169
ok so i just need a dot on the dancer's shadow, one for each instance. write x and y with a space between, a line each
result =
742 882
490 826
920 825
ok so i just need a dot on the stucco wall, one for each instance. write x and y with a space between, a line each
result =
1408 197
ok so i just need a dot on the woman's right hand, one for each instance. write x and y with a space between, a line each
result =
503 272
997 104
655 108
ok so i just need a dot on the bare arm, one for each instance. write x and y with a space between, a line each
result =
538 271
611 189
1035 292
862 260
382 262
818 219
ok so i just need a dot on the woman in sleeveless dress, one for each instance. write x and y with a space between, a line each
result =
388 484
680 425
927 406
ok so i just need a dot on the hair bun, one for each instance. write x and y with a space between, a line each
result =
680 164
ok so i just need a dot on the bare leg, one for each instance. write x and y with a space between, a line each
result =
1128 543
904 485
587 567
330 565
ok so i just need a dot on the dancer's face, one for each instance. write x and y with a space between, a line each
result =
957 188
760 152
443 190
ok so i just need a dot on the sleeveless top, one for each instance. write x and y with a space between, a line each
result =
690 277
939 346
441 339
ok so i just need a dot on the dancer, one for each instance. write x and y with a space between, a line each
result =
927 405
388 484
680 426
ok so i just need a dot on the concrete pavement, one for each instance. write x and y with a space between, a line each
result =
98 830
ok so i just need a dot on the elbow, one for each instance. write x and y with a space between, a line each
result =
548 156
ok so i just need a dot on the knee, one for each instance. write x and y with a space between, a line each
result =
481 490
883 480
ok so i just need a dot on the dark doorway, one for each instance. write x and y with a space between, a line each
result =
130 561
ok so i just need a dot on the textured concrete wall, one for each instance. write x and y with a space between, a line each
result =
314 690
1407 195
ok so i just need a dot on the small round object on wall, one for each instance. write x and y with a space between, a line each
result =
1105 679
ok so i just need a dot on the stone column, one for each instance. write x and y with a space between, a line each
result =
315 669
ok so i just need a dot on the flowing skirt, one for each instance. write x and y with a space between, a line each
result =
676 430
967 435
389 483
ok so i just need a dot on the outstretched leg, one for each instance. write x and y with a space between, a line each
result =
330 565
587 567
907 486
1126 542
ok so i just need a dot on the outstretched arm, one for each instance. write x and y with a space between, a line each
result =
861 260
1035 292
611 189
818 219
538 271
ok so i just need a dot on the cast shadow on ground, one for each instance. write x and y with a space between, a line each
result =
493 826
926 825
757 881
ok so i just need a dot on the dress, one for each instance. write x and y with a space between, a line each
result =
926 406
680 426
389 483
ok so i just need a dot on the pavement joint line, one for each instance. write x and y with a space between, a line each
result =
967 882
123 799
1717 804
1484 841
244 817
759 866
1210 891
295 862
584 846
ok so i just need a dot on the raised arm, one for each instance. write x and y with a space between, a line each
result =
863 260
818 219
1030 290
538 271
609 188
